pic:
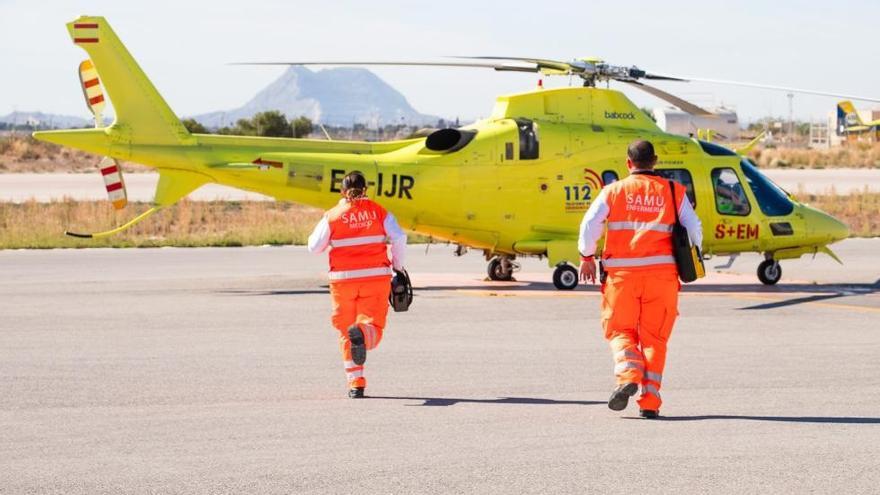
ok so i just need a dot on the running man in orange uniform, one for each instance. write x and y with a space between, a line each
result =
356 230
640 294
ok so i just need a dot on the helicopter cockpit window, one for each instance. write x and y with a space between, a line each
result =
730 197
528 139
772 200
609 177
683 177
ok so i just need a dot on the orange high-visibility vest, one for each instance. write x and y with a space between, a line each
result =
357 239
639 223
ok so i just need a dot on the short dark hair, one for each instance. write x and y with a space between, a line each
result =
354 182
642 154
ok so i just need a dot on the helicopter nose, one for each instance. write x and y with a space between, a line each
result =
822 228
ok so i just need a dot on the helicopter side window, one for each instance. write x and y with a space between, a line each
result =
609 177
683 177
772 200
528 139
730 197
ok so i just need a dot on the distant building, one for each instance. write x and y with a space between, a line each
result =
674 121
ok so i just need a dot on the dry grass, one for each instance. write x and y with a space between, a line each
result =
852 155
22 153
860 211
189 223
250 223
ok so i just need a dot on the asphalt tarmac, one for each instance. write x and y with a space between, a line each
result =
216 371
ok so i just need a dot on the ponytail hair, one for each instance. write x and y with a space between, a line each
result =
354 185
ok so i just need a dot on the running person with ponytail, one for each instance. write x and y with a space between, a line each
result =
356 231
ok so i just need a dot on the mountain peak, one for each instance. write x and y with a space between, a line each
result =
339 96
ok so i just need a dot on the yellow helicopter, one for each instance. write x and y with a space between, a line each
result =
515 184
850 122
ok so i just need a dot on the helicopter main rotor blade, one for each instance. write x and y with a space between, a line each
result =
543 62
670 98
778 88
500 67
657 77
514 68
587 70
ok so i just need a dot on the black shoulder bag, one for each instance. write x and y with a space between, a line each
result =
688 258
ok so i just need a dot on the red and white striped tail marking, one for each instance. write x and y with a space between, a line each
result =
112 173
85 32
92 90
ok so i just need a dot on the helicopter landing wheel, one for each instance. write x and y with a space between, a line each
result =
501 269
769 272
565 277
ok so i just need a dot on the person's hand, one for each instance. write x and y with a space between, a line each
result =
588 270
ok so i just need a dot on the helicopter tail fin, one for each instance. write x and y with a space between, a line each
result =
141 112
844 110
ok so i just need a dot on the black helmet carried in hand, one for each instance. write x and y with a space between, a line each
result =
401 291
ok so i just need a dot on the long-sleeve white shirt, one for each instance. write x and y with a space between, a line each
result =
593 224
319 240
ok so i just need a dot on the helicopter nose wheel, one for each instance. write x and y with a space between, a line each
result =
501 268
565 277
769 272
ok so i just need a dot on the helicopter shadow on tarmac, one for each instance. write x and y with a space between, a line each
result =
819 293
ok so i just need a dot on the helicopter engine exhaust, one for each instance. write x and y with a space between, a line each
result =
449 140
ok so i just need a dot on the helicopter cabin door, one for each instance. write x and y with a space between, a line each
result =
738 220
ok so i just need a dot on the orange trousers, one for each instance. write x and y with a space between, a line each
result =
364 303
638 311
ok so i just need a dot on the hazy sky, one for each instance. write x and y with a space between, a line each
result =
184 46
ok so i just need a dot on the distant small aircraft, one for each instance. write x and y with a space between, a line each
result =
848 119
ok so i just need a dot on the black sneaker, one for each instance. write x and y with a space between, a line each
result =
356 393
620 397
649 413
358 346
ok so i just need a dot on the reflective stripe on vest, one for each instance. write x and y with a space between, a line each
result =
358 241
654 226
366 272
631 262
